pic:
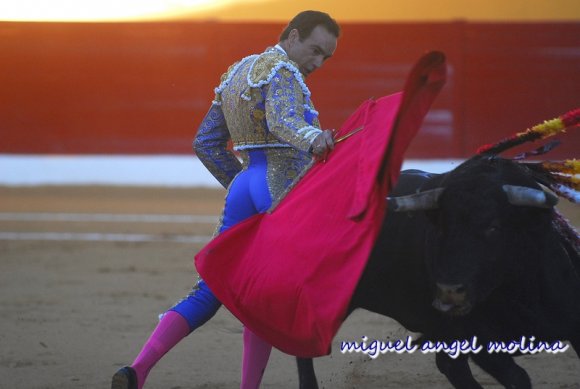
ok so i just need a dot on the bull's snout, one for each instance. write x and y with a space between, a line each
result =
451 293
451 299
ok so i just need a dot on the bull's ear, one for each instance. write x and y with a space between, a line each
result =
530 197
422 201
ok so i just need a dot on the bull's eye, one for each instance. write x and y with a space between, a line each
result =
492 232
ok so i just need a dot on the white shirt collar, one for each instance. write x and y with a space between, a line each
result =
278 47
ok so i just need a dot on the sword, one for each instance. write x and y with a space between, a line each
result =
345 136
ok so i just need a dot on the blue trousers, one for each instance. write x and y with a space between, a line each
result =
248 194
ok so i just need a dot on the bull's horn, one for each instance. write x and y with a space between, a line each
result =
530 197
421 201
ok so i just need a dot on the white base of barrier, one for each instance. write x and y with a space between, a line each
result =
123 170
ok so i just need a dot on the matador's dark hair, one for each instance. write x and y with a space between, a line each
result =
306 21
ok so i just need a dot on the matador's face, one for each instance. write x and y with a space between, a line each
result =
311 53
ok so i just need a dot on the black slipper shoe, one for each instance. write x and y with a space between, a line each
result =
124 378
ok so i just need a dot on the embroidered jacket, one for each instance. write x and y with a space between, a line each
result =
261 102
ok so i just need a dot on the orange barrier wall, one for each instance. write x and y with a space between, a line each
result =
142 88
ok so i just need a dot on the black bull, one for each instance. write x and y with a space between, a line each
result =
474 254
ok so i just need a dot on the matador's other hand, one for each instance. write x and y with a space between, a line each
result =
323 144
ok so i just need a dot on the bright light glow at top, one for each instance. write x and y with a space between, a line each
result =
282 10
101 10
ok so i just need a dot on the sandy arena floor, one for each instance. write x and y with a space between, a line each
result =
80 294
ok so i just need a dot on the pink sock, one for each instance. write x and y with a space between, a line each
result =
256 354
171 329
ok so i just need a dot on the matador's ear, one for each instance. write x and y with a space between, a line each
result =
293 36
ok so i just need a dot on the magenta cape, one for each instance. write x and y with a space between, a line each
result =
289 275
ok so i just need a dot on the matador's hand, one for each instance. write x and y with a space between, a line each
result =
323 144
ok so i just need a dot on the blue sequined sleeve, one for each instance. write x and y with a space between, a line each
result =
287 111
211 147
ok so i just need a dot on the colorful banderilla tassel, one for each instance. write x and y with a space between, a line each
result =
540 131
569 166
564 177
